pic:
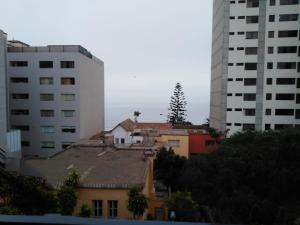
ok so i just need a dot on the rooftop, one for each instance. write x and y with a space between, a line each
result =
98 167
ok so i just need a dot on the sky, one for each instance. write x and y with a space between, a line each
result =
146 45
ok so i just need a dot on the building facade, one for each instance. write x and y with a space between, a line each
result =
255 71
56 96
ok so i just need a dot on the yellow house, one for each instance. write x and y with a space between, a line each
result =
178 140
106 175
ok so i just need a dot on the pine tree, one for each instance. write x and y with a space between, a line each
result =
177 110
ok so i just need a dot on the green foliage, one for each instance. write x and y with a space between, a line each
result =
67 195
177 110
8 210
137 202
85 211
168 167
253 178
185 208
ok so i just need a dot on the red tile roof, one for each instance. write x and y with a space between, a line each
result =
155 126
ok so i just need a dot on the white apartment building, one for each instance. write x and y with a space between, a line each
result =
56 96
255 71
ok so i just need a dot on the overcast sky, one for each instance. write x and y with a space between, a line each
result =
147 46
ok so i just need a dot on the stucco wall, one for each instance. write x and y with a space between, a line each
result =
120 132
183 149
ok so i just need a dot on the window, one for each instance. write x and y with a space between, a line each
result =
269 65
47 144
288 17
231 33
272 2
66 144
285 96
271 18
209 143
122 140
47 129
18 63
229 109
112 208
270 34
17 112
298 82
267 126
19 96
228 124
252 35
232 17
282 126
287 33
117 141
284 112
241 17
251 51
249 112
289 2
239 79
268 112
68 129
286 65
285 81
97 207
19 79
268 96
66 64
248 126
241 33
25 143
297 98
47 113
46 80
67 80
250 66
252 3
174 143
270 50
230 49
229 79
249 81
68 97
251 19
230 64
240 48
238 94
229 94
240 64
68 113
287 49
46 64
249 97
47 97
297 114
237 124
269 81
238 109
20 127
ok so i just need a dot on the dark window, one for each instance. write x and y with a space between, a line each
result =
66 64
285 81
252 3
249 81
68 129
250 66
19 96
287 49
269 65
269 81
268 96
241 17
249 112
67 80
297 114
241 33
282 126
230 64
285 96
272 2
232 2
230 49
286 65
18 63
267 126
270 50
289 2
19 79
237 124
271 18
249 97
232 17
46 64
238 94
239 79
238 109
240 48
228 109
268 112
240 64
20 127
229 94
252 35
298 82
248 126
271 34
122 141
288 17
25 143
97 207
284 112
287 33
229 79
251 51
19 112
231 33
297 98
113 209
251 19
228 124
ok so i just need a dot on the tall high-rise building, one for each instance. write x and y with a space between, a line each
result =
255 71
56 96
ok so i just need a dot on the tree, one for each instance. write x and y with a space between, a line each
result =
177 109
185 208
85 211
136 114
137 202
67 196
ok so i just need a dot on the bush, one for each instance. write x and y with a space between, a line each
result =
85 211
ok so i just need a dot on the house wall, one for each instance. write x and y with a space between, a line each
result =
120 132
197 144
183 149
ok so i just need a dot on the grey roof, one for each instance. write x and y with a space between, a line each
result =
99 167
